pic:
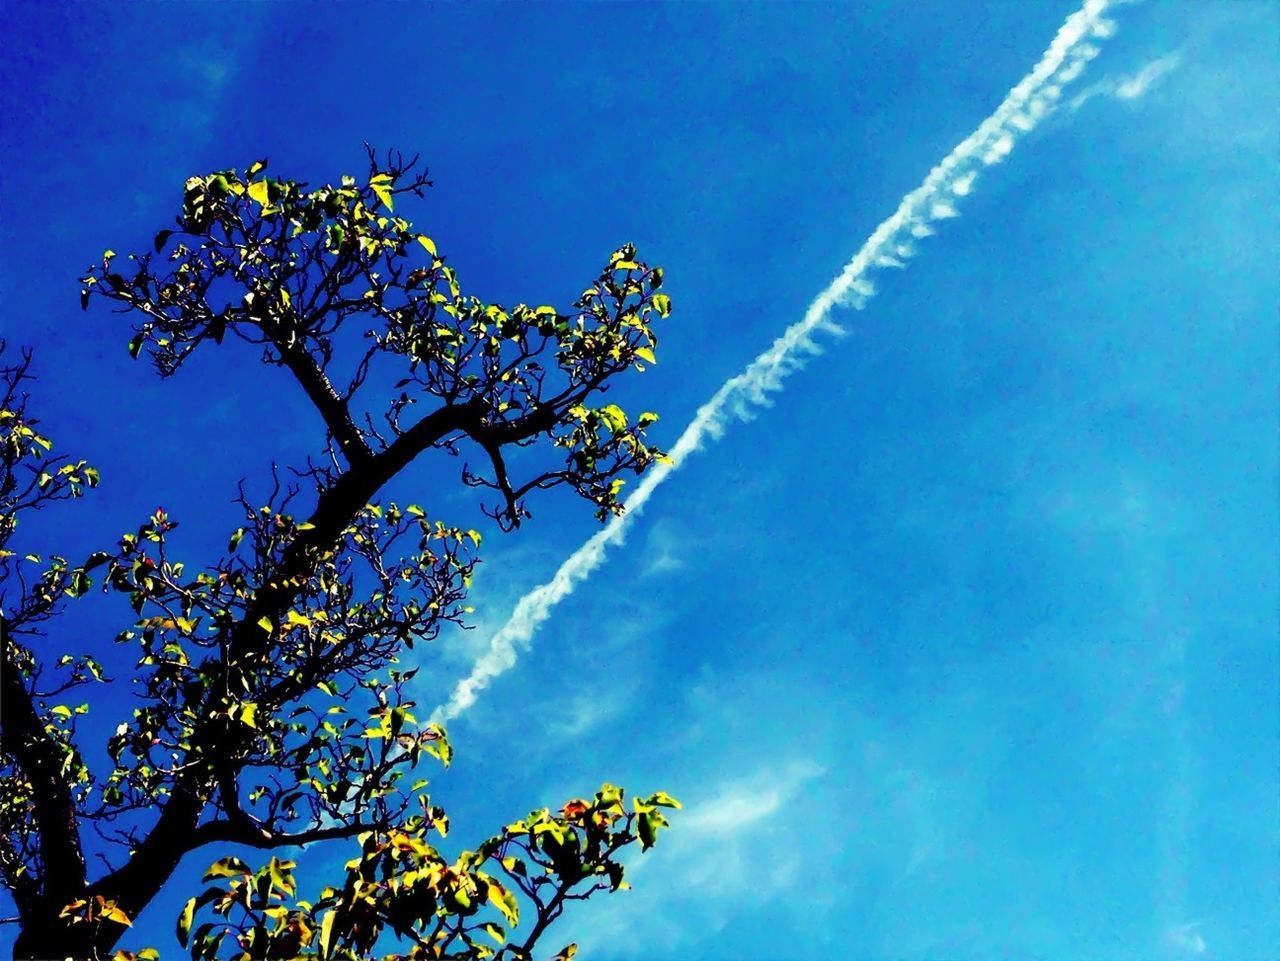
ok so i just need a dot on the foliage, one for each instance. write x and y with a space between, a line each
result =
273 711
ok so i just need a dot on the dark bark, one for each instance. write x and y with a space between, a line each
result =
53 811
45 936
178 831
334 410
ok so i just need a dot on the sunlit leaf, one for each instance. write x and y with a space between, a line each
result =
259 191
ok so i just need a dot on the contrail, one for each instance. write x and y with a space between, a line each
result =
891 245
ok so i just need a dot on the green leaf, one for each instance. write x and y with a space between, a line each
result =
662 304
437 745
162 238
60 710
80 583
256 167
236 538
135 345
282 875
614 416
650 822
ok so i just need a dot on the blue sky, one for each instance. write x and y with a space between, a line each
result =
966 645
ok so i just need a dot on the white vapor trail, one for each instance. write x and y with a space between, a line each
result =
890 245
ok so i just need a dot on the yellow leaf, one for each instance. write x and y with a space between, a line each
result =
258 191
326 932
184 921
644 353
381 186
504 901
428 243
113 913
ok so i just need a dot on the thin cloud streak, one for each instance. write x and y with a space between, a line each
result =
890 245
1135 86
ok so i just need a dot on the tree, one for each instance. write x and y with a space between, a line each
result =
273 712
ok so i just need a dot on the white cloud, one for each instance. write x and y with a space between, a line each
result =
964 184
665 550
1137 85
1134 86
744 803
1031 98
1187 938
740 841
584 713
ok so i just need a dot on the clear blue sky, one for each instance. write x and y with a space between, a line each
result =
966 646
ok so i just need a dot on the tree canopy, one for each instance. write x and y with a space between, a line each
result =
276 706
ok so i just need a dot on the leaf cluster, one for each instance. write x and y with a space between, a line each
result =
273 710
468 907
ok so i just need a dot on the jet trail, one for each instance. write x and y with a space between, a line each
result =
890 245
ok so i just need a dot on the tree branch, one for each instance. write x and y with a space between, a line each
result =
236 832
24 887
175 832
23 737
334 410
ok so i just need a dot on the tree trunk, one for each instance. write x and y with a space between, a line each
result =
50 937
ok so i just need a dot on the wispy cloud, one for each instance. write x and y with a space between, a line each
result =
664 551
1135 85
1187 938
890 245
739 841
584 713
738 805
